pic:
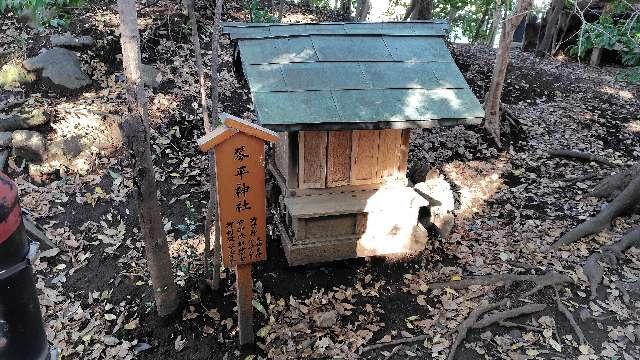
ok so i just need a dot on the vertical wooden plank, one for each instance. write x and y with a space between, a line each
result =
281 154
312 161
388 153
364 157
404 153
244 283
338 158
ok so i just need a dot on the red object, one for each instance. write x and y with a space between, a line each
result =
10 214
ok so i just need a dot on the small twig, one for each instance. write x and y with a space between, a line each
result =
580 155
394 342
576 328
395 350
524 326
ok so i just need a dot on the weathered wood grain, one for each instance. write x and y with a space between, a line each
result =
338 158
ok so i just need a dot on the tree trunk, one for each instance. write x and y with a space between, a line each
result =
212 206
195 39
492 99
419 10
497 16
363 8
136 132
345 7
552 21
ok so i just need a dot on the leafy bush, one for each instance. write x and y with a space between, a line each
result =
612 31
257 13
632 76
43 12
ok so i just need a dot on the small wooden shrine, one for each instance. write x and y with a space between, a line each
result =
343 97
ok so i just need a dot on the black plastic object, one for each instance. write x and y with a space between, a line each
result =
22 335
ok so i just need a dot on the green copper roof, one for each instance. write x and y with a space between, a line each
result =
353 75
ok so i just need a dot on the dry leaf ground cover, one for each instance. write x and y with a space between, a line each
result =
511 204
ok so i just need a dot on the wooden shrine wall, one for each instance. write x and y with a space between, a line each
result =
328 159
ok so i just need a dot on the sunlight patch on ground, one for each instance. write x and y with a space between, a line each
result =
623 94
634 126
478 182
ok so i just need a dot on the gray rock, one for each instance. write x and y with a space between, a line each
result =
22 121
61 66
68 40
29 145
151 76
327 319
5 139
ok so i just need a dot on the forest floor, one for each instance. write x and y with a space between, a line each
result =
511 204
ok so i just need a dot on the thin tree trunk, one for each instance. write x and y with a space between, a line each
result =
195 39
136 131
363 8
212 207
544 47
280 10
497 15
419 10
492 99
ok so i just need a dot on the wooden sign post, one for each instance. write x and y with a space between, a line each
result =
238 146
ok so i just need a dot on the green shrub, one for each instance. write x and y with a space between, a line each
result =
612 31
632 75
257 13
42 12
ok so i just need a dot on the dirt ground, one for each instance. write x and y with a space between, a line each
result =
511 204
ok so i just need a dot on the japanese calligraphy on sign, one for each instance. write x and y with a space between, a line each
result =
239 152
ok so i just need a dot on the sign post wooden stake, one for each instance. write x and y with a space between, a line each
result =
244 282
238 146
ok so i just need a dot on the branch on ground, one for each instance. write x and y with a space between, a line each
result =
580 155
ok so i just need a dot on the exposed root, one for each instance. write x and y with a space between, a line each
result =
594 272
472 322
613 252
508 314
625 294
613 185
580 155
486 280
540 281
523 326
394 342
551 278
576 328
464 327
625 202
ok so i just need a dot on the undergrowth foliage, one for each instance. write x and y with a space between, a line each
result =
42 12
617 29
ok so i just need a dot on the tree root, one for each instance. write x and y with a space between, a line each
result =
580 155
464 327
613 252
508 314
394 342
613 185
485 280
551 278
626 201
540 281
523 326
576 328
